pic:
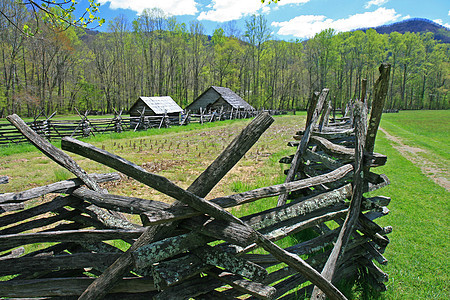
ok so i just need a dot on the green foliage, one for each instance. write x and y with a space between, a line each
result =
157 55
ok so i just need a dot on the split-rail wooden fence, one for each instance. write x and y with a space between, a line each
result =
86 126
195 248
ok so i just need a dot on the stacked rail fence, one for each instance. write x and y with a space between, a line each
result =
57 129
195 248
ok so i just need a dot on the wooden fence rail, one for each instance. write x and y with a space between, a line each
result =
57 129
196 248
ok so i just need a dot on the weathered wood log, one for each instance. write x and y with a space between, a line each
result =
164 185
40 222
181 212
11 207
326 160
99 261
49 287
325 116
14 240
374 202
380 92
147 255
256 289
303 145
298 264
355 206
298 224
288 284
376 272
382 181
189 289
375 254
131 205
170 272
112 274
347 153
106 218
312 106
302 267
65 161
53 205
13 253
52 152
4 179
329 135
236 265
234 233
295 209
214 295
184 273
292 186
64 186
377 286
306 247
155 181
370 227
231 155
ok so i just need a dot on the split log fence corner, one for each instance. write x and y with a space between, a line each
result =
195 248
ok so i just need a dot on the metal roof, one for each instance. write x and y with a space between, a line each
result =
232 98
161 105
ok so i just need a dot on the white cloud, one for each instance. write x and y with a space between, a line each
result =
227 10
171 7
375 2
286 2
406 17
440 22
307 26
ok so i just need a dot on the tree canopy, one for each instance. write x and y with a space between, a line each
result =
155 54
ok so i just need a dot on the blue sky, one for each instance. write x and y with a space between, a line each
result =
288 19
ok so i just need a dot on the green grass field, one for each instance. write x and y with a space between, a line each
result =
418 266
418 253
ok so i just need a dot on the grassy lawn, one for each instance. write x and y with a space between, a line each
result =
418 253
418 265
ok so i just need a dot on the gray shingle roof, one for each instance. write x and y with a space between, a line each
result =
161 105
232 98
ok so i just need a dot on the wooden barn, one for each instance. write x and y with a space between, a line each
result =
155 106
216 97
159 112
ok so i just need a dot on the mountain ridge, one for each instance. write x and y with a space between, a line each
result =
416 25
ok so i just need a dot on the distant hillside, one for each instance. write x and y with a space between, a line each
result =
441 33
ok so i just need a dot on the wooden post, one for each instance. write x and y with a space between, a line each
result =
311 107
337 253
303 144
201 116
380 92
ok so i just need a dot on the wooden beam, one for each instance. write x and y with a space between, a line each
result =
15 240
303 145
100 287
64 186
61 287
355 206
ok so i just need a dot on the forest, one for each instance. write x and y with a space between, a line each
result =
155 55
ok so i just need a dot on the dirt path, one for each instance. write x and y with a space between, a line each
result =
430 169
